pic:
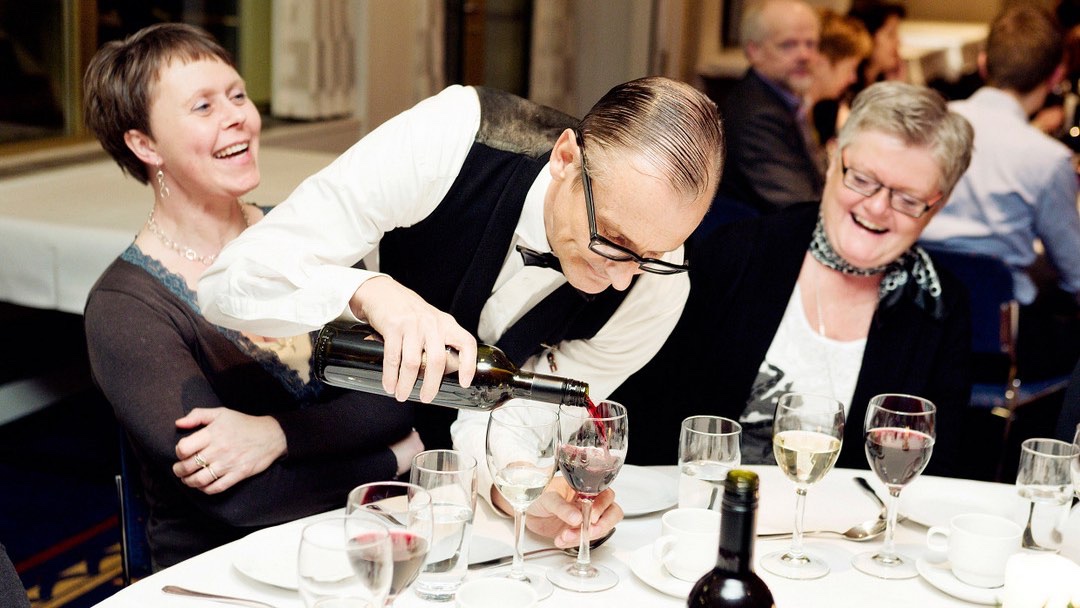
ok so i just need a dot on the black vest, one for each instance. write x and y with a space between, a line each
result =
453 257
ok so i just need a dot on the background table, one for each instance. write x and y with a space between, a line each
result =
60 228
836 503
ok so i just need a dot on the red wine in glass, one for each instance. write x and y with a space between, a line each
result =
596 415
898 455
589 470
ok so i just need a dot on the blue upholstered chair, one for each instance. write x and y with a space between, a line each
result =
134 546
995 316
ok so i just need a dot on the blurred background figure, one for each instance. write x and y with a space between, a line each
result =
844 45
882 19
773 159
1021 188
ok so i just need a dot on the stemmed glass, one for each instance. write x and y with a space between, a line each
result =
592 448
808 431
406 511
520 449
344 562
900 431
1076 464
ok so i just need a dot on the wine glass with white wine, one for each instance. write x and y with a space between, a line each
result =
808 431
520 450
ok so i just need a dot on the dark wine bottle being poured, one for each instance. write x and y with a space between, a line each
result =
350 355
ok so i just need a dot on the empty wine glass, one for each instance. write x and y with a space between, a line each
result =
592 448
808 431
406 511
900 432
344 562
520 450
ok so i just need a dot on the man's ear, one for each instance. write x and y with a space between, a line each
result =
142 146
981 62
564 154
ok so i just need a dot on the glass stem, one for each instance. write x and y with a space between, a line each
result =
583 565
796 550
888 551
517 567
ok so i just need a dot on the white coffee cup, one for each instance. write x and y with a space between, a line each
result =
977 546
689 541
495 592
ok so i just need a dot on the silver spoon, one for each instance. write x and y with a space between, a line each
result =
869 489
868 530
571 551
227 599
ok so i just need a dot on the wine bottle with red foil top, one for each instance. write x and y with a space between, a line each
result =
350 355
733 583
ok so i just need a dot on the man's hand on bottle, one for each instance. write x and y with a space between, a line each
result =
415 335
557 514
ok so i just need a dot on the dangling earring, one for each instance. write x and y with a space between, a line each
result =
163 190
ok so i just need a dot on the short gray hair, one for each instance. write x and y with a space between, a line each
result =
918 116
752 27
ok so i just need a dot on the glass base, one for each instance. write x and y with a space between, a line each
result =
585 580
807 567
889 568
534 577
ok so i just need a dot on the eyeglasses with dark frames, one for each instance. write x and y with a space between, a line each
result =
604 247
860 183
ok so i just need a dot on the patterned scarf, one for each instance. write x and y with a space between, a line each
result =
912 275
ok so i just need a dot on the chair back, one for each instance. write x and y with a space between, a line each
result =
994 311
134 546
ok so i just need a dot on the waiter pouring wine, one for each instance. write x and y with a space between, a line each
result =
557 240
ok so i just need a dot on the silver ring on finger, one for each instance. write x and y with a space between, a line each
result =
212 473
199 460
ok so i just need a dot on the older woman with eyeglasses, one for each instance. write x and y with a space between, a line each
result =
835 299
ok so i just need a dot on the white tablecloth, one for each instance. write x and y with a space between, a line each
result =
60 228
835 503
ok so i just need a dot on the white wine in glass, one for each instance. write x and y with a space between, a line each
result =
520 453
808 431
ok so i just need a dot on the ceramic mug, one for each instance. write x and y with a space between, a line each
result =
689 542
977 546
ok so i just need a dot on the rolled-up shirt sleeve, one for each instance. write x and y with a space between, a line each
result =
292 272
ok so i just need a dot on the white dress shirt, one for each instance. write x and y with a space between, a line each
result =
291 272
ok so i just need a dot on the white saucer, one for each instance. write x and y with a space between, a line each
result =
649 570
269 556
940 576
640 491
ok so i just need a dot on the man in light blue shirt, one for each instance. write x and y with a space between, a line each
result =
1021 184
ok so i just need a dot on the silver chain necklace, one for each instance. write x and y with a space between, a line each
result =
184 251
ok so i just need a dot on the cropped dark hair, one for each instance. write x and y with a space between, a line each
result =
874 13
1024 47
118 85
671 124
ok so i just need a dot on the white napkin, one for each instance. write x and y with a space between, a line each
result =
1041 580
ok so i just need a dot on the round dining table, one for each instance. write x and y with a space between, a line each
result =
262 565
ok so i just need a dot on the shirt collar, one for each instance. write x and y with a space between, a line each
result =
791 100
530 230
999 100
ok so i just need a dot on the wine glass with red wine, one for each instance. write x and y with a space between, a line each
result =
592 448
899 441
406 511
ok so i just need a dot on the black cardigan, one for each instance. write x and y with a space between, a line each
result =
742 276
